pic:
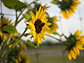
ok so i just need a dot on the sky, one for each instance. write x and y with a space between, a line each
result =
65 26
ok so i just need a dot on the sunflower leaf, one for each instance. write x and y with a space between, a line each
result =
27 16
9 29
56 2
14 4
55 33
30 43
37 44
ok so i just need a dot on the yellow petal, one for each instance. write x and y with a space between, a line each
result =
77 33
69 56
73 54
32 15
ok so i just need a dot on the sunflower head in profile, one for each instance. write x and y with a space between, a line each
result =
4 22
74 44
53 27
38 25
68 7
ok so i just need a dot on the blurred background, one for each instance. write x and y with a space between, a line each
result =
51 51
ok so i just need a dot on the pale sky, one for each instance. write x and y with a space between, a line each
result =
65 26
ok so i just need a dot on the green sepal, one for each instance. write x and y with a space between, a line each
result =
9 29
37 44
26 34
27 16
56 33
14 4
30 43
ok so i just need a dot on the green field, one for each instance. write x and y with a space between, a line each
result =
52 54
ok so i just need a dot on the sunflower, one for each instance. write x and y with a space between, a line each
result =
53 26
68 7
75 43
38 25
4 22
17 51
25 59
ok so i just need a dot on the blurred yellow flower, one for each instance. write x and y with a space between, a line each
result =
26 58
4 22
53 26
38 25
76 45
69 7
16 60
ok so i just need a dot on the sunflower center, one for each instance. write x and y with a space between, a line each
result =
38 25
2 28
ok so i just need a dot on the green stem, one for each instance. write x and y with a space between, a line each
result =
19 21
1 44
9 38
5 45
21 13
16 18
53 37
13 45
56 39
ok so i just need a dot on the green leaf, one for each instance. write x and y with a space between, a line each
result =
26 34
23 41
56 2
27 16
9 29
55 33
30 43
37 44
20 6
14 4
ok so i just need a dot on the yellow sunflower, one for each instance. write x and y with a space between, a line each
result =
38 25
4 22
76 44
25 58
53 26
68 7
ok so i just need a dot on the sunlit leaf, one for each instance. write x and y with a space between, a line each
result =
37 44
9 29
27 16
55 33
30 43
55 2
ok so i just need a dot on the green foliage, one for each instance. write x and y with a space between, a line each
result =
27 16
14 4
55 33
9 29
26 34
30 43
56 2
36 44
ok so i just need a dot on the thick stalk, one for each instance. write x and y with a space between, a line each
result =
5 45
13 45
